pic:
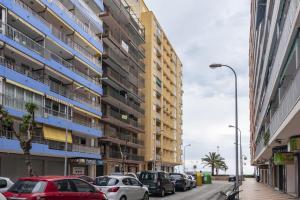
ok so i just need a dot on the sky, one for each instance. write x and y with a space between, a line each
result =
204 32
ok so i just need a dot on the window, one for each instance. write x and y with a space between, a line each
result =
82 186
134 182
106 181
28 187
64 186
126 181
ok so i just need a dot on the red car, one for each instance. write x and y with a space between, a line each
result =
53 188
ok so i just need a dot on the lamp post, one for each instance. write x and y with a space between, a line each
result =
188 145
241 154
214 66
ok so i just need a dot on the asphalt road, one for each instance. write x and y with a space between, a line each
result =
205 192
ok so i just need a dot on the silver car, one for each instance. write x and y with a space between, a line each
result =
122 188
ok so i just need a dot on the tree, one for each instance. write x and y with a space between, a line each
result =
213 160
25 133
220 165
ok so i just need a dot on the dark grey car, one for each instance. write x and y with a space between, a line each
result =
157 182
181 181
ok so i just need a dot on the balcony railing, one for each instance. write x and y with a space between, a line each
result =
76 20
118 155
26 41
85 100
85 149
63 37
19 104
124 137
282 43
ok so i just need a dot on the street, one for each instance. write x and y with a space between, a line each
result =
209 191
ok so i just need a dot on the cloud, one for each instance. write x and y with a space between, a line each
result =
205 32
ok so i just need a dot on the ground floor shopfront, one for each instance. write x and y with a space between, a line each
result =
282 171
116 166
13 166
167 167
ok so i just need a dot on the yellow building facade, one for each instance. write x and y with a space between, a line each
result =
163 95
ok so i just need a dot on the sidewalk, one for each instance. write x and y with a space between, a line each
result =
258 191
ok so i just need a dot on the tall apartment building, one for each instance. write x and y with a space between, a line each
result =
50 54
274 92
163 95
122 144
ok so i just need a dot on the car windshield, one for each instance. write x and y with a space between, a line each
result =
175 176
106 181
23 186
148 176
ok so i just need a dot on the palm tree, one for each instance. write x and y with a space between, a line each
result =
25 133
220 165
211 160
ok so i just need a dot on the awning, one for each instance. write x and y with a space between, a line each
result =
56 134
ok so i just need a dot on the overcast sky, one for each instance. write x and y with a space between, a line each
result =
204 32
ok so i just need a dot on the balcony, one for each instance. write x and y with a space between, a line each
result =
124 137
27 42
19 104
54 144
76 20
127 156
129 105
60 35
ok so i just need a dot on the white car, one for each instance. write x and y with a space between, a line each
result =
5 184
122 188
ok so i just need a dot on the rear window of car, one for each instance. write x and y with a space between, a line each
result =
106 181
26 186
176 176
148 176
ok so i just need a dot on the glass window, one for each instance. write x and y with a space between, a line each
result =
64 186
9 90
148 176
126 181
82 186
106 181
134 182
24 186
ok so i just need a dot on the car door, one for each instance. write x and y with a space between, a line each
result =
66 190
128 190
169 183
137 188
85 190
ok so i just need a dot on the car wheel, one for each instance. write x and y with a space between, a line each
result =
146 196
123 198
162 192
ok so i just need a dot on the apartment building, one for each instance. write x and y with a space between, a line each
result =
122 144
163 95
274 92
50 54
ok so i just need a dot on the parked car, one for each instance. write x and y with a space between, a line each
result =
122 188
5 184
157 182
193 181
53 187
231 178
182 182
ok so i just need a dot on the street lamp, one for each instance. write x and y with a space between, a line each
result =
241 154
214 66
188 145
